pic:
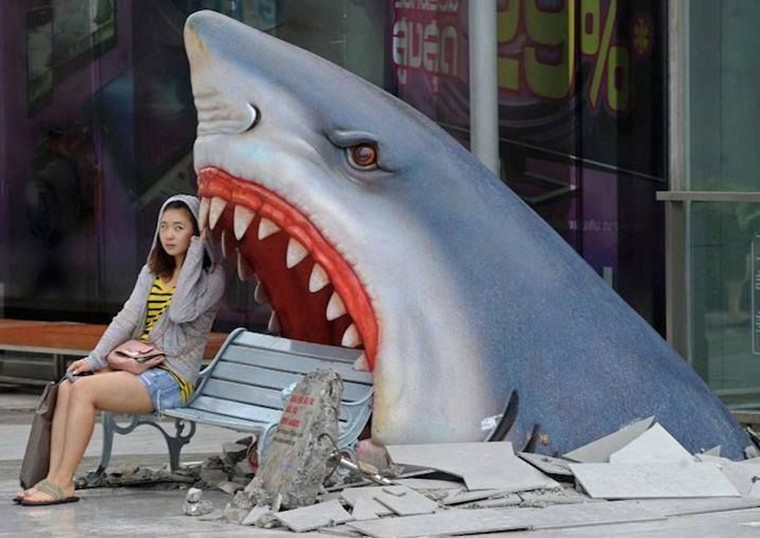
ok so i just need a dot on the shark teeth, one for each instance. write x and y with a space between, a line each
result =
274 324
260 294
217 208
335 308
228 244
203 214
267 228
351 337
211 211
244 269
242 220
361 364
318 278
296 253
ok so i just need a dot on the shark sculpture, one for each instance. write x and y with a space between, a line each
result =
369 226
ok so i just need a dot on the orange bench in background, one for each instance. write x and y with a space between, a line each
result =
35 352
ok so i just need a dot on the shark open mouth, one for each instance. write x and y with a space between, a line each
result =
314 292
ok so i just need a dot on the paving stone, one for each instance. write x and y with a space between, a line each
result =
652 480
481 465
312 517
547 464
654 445
742 475
599 451
683 507
404 501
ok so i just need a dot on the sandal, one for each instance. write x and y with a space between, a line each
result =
56 493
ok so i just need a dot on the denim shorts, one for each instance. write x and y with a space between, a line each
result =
163 389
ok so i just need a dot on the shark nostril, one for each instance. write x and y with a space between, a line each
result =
254 117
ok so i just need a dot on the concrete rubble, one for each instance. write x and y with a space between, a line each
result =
435 498
638 474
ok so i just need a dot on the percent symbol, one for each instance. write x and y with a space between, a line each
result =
614 60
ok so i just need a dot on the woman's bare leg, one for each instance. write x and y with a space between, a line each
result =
58 428
60 417
119 392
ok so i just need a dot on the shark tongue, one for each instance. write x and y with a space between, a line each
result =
314 292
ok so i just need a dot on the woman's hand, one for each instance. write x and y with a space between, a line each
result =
134 367
78 367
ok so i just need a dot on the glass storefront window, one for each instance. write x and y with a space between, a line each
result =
723 126
97 123
725 298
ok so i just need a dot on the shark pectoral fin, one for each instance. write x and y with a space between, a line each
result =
508 418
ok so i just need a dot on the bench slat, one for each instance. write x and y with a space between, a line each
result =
273 360
247 394
262 377
226 391
294 347
214 419
236 410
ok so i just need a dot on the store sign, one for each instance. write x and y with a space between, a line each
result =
558 61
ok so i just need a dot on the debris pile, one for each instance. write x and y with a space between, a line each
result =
640 473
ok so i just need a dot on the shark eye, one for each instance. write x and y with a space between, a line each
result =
363 156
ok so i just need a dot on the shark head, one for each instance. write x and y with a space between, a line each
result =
368 226
328 188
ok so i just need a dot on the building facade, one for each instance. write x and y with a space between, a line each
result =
602 104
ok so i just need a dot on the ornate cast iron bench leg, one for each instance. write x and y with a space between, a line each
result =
173 443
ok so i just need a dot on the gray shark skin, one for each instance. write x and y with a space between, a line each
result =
474 297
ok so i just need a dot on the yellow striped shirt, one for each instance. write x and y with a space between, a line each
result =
159 298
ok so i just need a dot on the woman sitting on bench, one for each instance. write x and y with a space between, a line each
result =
150 355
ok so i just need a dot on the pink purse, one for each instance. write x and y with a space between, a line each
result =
132 350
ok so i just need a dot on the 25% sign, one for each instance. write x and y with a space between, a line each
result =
545 64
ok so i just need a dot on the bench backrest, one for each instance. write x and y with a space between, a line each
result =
247 377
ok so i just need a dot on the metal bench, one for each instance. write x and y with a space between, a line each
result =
245 388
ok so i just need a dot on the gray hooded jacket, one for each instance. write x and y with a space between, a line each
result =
182 330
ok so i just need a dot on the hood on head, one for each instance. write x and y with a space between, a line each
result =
194 205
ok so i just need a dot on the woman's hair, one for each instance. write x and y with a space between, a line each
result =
160 262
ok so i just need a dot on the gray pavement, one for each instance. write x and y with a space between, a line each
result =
137 511
157 511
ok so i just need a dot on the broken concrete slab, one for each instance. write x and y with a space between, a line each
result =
652 480
404 501
352 495
599 451
556 467
714 451
594 513
470 496
296 462
719 460
742 475
368 508
449 522
388 500
313 517
653 445
453 522
510 499
255 513
691 506
429 484
541 498
481 465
